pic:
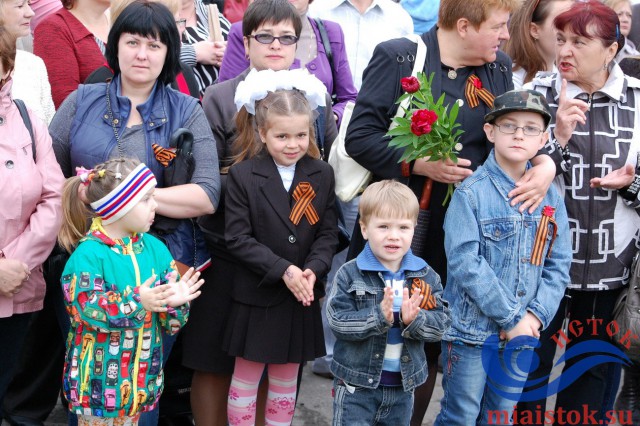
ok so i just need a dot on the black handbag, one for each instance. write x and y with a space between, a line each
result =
178 172
626 312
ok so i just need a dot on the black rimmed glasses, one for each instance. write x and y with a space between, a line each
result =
264 38
510 129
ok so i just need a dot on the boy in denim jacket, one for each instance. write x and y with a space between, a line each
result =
383 306
507 271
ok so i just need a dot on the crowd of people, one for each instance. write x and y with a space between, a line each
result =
166 190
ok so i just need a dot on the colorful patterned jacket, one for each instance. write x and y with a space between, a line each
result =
114 348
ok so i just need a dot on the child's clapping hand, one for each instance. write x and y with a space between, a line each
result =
387 304
529 325
154 299
300 284
410 306
184 290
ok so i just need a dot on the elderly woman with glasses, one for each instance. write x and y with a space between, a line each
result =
593 141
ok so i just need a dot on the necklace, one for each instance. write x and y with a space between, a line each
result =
452 74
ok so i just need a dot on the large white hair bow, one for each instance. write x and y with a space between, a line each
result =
259 83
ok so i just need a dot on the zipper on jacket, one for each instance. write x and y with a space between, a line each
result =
592 145
84 363
136 361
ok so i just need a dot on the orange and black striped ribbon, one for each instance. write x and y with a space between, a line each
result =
541 235
474 90
428 299
303 195
163 155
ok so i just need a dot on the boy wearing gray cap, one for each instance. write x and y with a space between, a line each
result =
507 271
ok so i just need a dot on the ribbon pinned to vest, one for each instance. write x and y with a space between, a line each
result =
428 300
541 235
163 155
303 195
474 90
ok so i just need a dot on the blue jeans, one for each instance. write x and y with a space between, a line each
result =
468 399
385 405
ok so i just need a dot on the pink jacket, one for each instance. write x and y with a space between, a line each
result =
30 201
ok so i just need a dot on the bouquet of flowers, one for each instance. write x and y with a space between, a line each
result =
427 129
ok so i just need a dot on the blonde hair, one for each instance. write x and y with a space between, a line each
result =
117 6
613 3
388 199
281 103
75 212
476 11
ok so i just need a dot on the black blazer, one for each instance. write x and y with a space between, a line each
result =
260 235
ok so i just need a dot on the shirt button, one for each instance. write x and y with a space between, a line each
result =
377 356
370 380
524 260
521 293
292 239
312 66
460 103
9 164
497 233
526 224
410 381
151 124
404 359
116 121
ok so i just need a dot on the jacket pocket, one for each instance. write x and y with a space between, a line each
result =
365 296
499 241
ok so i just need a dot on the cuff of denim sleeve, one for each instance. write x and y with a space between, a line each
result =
405 168
630 193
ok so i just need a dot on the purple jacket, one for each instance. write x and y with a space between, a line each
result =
235 62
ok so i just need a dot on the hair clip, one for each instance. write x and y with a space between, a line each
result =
101 173
118 176
84 175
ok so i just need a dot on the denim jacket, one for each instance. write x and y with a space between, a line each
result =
491 282
354 314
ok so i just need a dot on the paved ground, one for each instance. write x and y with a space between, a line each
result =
314 404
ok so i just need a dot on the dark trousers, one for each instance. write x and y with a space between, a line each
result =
596 387
13 331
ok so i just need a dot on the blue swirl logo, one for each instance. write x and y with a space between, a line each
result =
508 375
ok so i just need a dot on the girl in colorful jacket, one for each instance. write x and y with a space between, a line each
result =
121 285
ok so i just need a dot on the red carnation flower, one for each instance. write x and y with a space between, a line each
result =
410 84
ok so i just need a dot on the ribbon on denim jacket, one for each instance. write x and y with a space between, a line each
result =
428 299
541 235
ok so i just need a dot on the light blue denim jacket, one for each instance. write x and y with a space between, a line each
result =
354 314
491 283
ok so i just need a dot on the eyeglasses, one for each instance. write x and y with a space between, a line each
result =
510 129
263 38
181 22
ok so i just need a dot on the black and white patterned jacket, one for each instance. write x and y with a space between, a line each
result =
604 226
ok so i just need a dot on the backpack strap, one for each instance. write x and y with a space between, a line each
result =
27 123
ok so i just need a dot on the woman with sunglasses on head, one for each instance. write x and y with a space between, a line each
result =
310 54
532 45
265 20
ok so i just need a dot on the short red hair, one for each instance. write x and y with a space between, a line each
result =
593 20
